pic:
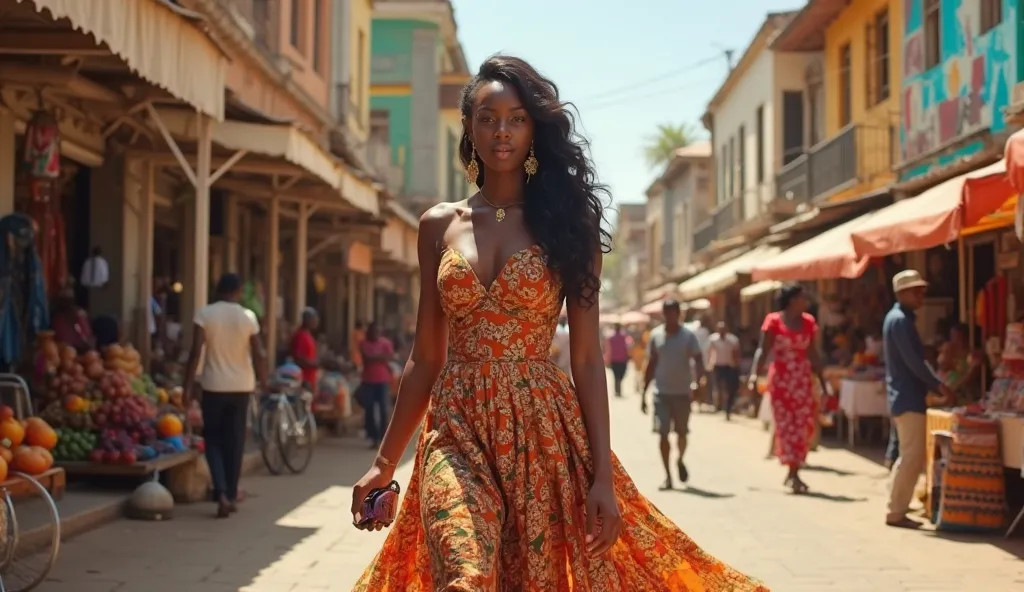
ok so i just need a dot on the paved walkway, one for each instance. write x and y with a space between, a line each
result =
294 535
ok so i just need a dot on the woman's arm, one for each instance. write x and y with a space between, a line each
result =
429 349
757 367
588 373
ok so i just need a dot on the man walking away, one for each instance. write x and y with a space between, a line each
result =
670 350
908 380
725 359
619 344
377 353
227 336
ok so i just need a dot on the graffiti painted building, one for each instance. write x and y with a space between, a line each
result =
959 66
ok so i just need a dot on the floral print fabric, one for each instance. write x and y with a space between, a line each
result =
794 410
503 465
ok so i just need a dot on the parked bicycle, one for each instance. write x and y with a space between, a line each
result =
282 422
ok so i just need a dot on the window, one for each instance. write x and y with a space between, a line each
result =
732 170
816 112
295 28
741 160
759 165
991 14
318 25
878 58
723 168
792 126
932 31
845 87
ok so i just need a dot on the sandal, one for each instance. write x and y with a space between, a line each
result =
798 486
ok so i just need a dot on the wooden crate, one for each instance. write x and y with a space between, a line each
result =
54 480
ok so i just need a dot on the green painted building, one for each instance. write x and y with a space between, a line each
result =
417 71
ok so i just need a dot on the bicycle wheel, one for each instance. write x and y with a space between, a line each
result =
35 554
268 424
298 436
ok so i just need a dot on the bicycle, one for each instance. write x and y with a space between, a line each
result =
283 425
35 539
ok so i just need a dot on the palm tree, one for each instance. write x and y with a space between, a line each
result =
662 144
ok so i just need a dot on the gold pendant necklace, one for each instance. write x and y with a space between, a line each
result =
499 211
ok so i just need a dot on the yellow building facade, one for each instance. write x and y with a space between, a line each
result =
853 40
861 48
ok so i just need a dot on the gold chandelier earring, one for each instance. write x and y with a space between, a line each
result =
531 165
472 169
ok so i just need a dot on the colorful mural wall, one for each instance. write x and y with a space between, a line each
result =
965 93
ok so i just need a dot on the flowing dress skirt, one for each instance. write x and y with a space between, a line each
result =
496 500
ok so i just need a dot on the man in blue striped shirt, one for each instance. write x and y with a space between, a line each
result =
908 381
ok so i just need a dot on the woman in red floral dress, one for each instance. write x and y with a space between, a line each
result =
789 335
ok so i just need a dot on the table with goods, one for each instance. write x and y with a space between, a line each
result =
970 449
107 417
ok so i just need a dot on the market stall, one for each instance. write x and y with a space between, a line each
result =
969 448
100 414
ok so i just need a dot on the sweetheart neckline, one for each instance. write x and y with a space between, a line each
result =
501 270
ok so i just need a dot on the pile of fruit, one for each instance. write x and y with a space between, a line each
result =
105 409
124 358
74 444
25 445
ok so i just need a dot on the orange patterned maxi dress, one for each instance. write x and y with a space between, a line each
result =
503 467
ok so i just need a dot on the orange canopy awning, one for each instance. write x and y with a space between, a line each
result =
1014 158
829 255
935 217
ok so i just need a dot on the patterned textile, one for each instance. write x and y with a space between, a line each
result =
972 493
794 409
503 467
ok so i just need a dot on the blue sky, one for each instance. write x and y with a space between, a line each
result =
622 69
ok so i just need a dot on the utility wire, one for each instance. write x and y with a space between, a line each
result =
655 79
629 99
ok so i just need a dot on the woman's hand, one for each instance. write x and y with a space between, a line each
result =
603 518
376 478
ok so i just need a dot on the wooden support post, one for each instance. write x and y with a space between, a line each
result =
146 235
201 280
231 230
301 260
7 164
272 275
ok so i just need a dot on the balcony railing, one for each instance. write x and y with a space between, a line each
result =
793 180
393 175
703 235
857 154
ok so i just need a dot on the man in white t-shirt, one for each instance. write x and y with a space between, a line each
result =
560 347
725 360
226 335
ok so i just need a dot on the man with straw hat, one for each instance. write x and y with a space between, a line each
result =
908 381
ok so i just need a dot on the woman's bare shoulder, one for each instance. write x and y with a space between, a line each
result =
436 220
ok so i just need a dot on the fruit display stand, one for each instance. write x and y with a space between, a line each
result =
142 468
53 480
111 419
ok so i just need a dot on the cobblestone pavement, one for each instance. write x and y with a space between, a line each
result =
294 534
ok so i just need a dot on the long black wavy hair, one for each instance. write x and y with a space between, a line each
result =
564 203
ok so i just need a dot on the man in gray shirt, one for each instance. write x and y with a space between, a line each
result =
669 351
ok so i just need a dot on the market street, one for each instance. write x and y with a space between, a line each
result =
294 535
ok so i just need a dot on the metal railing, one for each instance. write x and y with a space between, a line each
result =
856 154
703 235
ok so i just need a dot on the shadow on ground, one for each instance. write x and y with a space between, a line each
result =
257 549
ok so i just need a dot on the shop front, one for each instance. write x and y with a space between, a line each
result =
396 271
73 300
960 232
722 283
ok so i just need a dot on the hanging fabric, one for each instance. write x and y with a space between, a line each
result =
23 302
42 165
